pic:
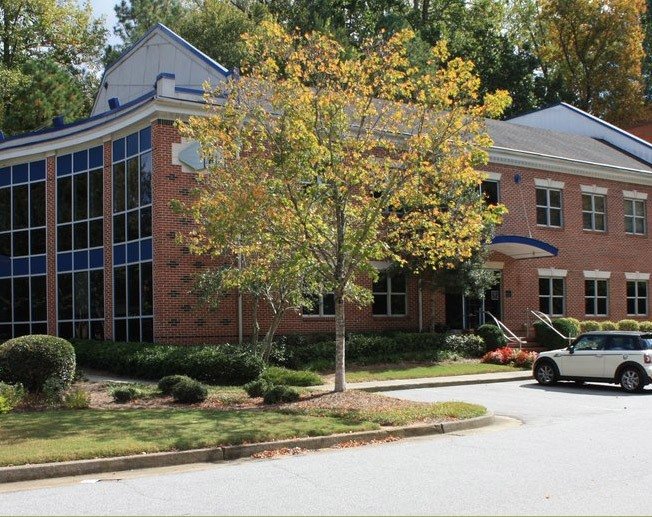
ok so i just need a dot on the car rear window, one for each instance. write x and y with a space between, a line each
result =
646 339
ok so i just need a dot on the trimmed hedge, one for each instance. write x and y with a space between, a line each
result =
284 376
279 394
189 391
608 325
546 337
363 349
645 326
223 364
34 360
628 325
257 388
493 337
168 382
590 326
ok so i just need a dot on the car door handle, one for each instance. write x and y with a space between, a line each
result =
625 356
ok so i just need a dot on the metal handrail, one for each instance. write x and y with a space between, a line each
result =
509 335
543 317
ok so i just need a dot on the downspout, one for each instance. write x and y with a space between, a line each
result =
240 318
420 306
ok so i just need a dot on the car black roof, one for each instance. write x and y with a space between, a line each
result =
616 333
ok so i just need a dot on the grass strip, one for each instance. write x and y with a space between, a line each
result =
417 372
47 436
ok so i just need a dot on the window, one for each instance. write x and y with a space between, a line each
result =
551 296
23 295
596 297
323 305
637 298
593 212
548 207
590 343
635 216
489 190
390 295
80 244
132 232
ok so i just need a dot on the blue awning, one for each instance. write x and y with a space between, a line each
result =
519 247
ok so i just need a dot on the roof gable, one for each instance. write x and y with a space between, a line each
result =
569 119
159 51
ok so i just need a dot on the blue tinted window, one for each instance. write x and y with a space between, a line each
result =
64 164
5 176
145 139
118 149
95 157
20 173
132 144
64 262
38 265
37 170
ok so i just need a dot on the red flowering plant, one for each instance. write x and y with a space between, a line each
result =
508 355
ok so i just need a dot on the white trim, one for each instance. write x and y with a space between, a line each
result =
548 183
594 189
519 158
597 275
551 272
493 176
494 265
637 276
634 194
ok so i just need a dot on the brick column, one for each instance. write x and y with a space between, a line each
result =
108 241
51 242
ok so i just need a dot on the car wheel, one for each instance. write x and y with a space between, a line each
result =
631 379
545 373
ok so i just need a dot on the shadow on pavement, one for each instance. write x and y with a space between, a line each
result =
585 389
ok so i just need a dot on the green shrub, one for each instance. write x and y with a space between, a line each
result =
283 376
465 345
189 391
77 399
590 326
31 360
645 326
608 325
168 382
214 364
493 337
279 394
123 394
628 325
10 396
257 388
53 391
546 337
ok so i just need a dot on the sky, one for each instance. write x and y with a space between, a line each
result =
105 7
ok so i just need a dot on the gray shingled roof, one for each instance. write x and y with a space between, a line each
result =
563 145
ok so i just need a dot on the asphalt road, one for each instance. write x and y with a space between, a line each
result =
580 451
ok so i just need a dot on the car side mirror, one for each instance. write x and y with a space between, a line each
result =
571 349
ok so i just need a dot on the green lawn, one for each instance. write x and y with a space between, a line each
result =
39 437
416 372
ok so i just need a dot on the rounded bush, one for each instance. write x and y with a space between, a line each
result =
122 394
645 326
168 382
546 337
189 391
609 325
279 394
257 388
590 326
628 325
32 360
493 337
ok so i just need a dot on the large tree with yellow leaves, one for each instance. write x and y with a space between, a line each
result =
343 161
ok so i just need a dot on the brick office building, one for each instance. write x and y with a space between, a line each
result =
87 238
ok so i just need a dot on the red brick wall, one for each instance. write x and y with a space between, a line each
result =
108 241
579 250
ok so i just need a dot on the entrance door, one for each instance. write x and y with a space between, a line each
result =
463 312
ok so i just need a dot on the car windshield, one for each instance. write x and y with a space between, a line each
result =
647 341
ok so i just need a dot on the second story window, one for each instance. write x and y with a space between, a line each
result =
489 190
549 207
635 216
594 212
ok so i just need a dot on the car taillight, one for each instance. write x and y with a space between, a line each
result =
647 358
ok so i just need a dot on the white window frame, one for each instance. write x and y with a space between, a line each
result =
593 212
549 208
389 292
636 298
551 297
320 307
635 215
596 297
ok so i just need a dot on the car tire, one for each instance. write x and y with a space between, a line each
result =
631 379
545 373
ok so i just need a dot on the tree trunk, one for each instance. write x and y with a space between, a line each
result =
269 337
255 326
340 330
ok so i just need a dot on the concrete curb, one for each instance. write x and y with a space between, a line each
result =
225 453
